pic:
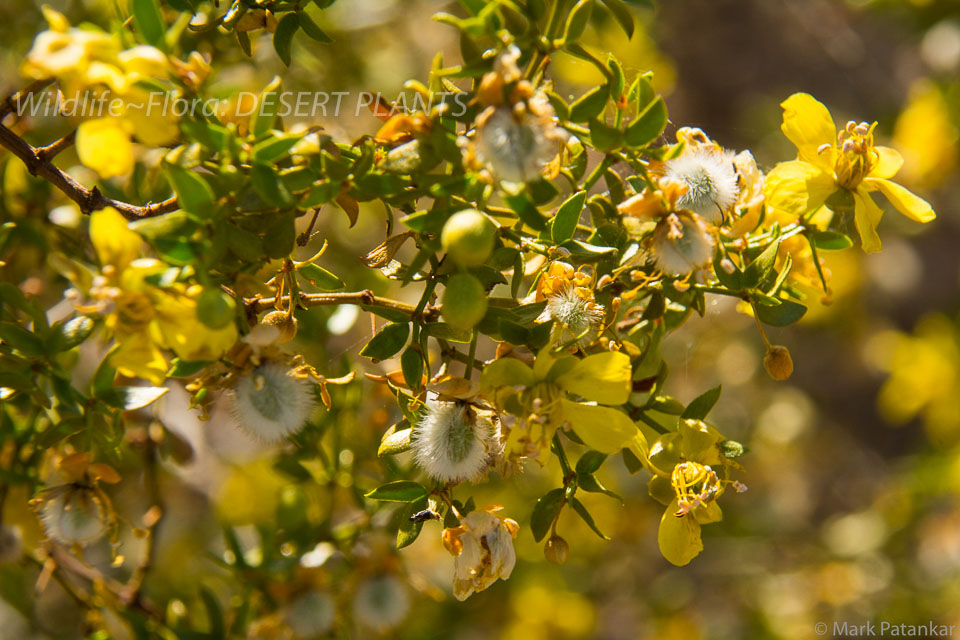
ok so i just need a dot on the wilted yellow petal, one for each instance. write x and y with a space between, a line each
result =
906 202
679 538
104 146
113 240
866 217
602 377
808 125
888 164
601 428
797 187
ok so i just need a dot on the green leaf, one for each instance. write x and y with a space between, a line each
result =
411 363
71 333
587 482
526 211
621 14
567 216
266 112
267 184
544 513
758 270
604 137
283 36
648 125
214 613
702 404
785 313
831 240
387 342
577 20
409 531
320 277
26 342
399 491
185 368
395 441
586 517
193 193
732 281
590 461
131 398
311 29
589 105
274 147
149 22
679 538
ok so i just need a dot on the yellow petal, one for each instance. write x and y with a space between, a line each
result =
797 187
888 164
602 377
808 125
679 538
189 338
153 125
104 146
906 202
866 217
601 428
113 240
138 357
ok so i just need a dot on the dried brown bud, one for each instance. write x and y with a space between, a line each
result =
778 362
556 550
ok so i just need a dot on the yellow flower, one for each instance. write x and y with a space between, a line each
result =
844 165
146 319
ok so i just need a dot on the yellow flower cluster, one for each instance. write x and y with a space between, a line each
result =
102 87
146 318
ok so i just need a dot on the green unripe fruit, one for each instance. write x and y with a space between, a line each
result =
464 302
468 238
215 309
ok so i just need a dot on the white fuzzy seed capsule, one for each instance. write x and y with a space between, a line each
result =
451 443
711 182
381 603
270 403
72 514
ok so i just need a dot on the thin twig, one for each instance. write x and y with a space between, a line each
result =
361 298
39 163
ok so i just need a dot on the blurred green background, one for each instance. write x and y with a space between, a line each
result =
854 464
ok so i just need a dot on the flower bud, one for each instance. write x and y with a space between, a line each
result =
464 301
556 550
778 362
468 238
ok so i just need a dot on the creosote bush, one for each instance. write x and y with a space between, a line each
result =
544 249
